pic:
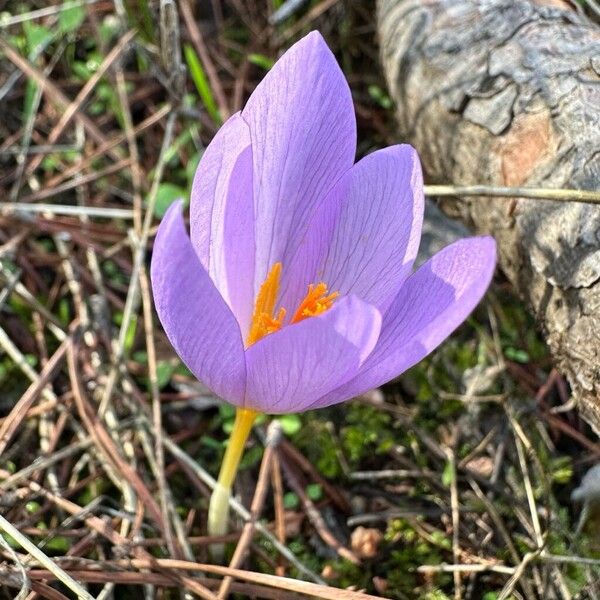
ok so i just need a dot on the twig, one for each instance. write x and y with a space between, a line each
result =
594 6
77 181
154 579
512 582
570 560
454 503
497 191
316 11
281 583
389 474
277 485
54 324
19 411
286 10
533 510
43 462
40 149
63 209
25 583
44 560
43 12
316 518
17 356
460 568
293 585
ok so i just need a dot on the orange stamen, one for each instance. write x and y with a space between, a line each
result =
316 302
265 322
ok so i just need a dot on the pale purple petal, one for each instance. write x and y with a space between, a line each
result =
222 216
306 266
364 237
290 369
237 244
303 134
196 319
433 302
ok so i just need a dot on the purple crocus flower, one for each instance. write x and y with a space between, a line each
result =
294 289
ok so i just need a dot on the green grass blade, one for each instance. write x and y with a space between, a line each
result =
201 82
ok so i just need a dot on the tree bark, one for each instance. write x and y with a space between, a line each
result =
508 93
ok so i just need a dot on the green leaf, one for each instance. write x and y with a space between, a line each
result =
314 491
290 424
380 96
109 28
167 194
130 335
516 354
30 91
140 356
251 457
190 169
164 370
201 83
69 19
180 142
226 411
561 469
81 70
58 544
262 61
448 475
36 36
210 442
32 506
140 17
290 501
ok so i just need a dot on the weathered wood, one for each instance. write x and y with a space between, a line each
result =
507 92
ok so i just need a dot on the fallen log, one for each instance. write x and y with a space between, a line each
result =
507 92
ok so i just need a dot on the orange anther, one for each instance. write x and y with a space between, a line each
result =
316 302
265 322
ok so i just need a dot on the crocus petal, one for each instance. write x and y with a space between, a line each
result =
222 216
290 369
196 319
303 134
363 239
433 302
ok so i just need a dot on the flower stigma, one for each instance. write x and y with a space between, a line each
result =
264 322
